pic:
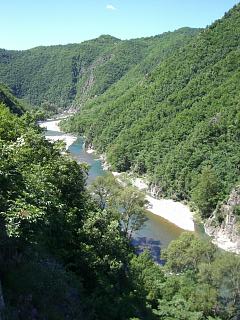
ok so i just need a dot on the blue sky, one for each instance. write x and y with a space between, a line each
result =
29 23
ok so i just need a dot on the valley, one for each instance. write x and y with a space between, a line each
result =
103 212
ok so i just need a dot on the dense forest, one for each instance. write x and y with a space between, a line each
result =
65 255
68 75
164 107
179 124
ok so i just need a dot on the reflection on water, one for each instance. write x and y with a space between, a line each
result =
156 233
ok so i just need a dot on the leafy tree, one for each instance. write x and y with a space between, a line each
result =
206 193
177 309
132 202
104 190
187 252
223 274
148 278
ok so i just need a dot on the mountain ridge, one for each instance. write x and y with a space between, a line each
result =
56 76
177 122
171 112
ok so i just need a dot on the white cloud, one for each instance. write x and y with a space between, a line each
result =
110 7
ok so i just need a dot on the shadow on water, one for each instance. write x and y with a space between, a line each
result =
156 233
153 246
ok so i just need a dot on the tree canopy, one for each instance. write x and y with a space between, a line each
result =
177 120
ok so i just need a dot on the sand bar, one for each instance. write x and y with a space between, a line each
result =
173 211
53 125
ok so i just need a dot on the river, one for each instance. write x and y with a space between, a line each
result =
156 233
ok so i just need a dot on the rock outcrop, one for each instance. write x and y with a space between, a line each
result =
224 225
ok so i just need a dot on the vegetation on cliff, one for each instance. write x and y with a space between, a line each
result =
64 254
180 124
165 106
68 75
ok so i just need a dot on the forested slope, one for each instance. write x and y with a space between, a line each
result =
11 101
64 255
65 75
61 257
180 125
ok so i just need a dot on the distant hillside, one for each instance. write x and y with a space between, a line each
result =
180 122
9 100
65 75
166 107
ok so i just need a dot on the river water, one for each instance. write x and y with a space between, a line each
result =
156 233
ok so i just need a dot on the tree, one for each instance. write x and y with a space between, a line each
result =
223 274
148 278
176 309
187 252
104 189
131 203
206 193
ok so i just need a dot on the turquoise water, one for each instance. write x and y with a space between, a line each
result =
156 232
78 152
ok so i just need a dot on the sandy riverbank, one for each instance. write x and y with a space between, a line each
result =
53 125
173 211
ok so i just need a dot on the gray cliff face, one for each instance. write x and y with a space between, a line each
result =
224 224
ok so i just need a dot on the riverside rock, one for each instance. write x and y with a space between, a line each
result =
226 235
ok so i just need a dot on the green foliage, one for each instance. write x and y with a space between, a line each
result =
105 190
202 279
236 210
177 117
147 277
206 193
223 274
35 203
171 111
202 283
187 252
56 77
131 202
61 256
14 104
127 202
177 309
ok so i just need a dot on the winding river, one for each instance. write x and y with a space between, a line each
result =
156 233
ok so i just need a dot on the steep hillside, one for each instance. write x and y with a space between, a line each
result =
65 250
61 76
10 100
50 74
180 125
65 255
